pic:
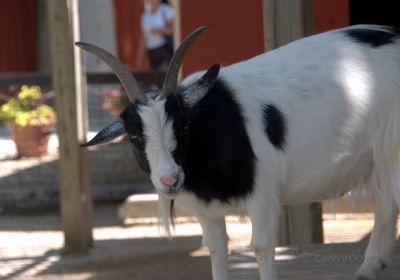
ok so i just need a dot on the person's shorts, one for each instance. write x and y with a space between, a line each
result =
159 58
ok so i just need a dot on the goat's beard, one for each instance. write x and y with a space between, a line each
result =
172 213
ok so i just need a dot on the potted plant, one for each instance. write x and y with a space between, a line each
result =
114 102
29 120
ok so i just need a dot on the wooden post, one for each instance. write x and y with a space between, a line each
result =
69 86
177 29
286 21
269 24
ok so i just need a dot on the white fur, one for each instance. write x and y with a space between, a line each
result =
160 144
341 103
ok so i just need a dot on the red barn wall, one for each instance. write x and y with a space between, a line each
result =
331 14
127 15
18 36
235 31
235 28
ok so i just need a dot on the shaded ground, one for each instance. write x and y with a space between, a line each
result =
327 262
31 248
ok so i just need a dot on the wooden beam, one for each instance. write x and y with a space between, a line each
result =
146 79
288 21
69 86
284 22
176 4
304 223
269 24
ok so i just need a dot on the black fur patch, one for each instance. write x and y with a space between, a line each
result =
274 125
178 113
373 38
134 129
219 160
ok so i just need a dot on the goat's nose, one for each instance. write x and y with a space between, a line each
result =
168 180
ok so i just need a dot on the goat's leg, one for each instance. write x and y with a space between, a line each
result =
381 241
216 239
264 217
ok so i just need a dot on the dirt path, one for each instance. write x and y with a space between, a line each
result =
31 248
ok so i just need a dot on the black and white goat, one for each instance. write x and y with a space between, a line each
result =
311 120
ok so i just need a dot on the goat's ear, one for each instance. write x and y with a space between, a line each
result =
108 133
199 89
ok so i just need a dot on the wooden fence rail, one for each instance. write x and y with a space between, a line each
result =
146 79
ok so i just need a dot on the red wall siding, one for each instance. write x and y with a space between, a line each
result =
235 31
127 15
331 14
18 35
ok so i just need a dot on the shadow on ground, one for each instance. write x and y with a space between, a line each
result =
310 262
104 215
143 259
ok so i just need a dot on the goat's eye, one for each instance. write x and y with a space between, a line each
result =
136 139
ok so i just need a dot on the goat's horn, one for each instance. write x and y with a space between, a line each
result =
129 82
108 133
171 78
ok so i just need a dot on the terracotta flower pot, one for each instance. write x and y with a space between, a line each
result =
116 112
31 141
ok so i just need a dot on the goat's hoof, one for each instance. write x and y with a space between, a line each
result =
371 276
370 272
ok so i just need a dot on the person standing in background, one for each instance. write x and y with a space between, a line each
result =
157 24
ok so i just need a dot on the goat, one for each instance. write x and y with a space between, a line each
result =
311 120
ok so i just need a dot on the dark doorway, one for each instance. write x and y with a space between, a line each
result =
383 12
